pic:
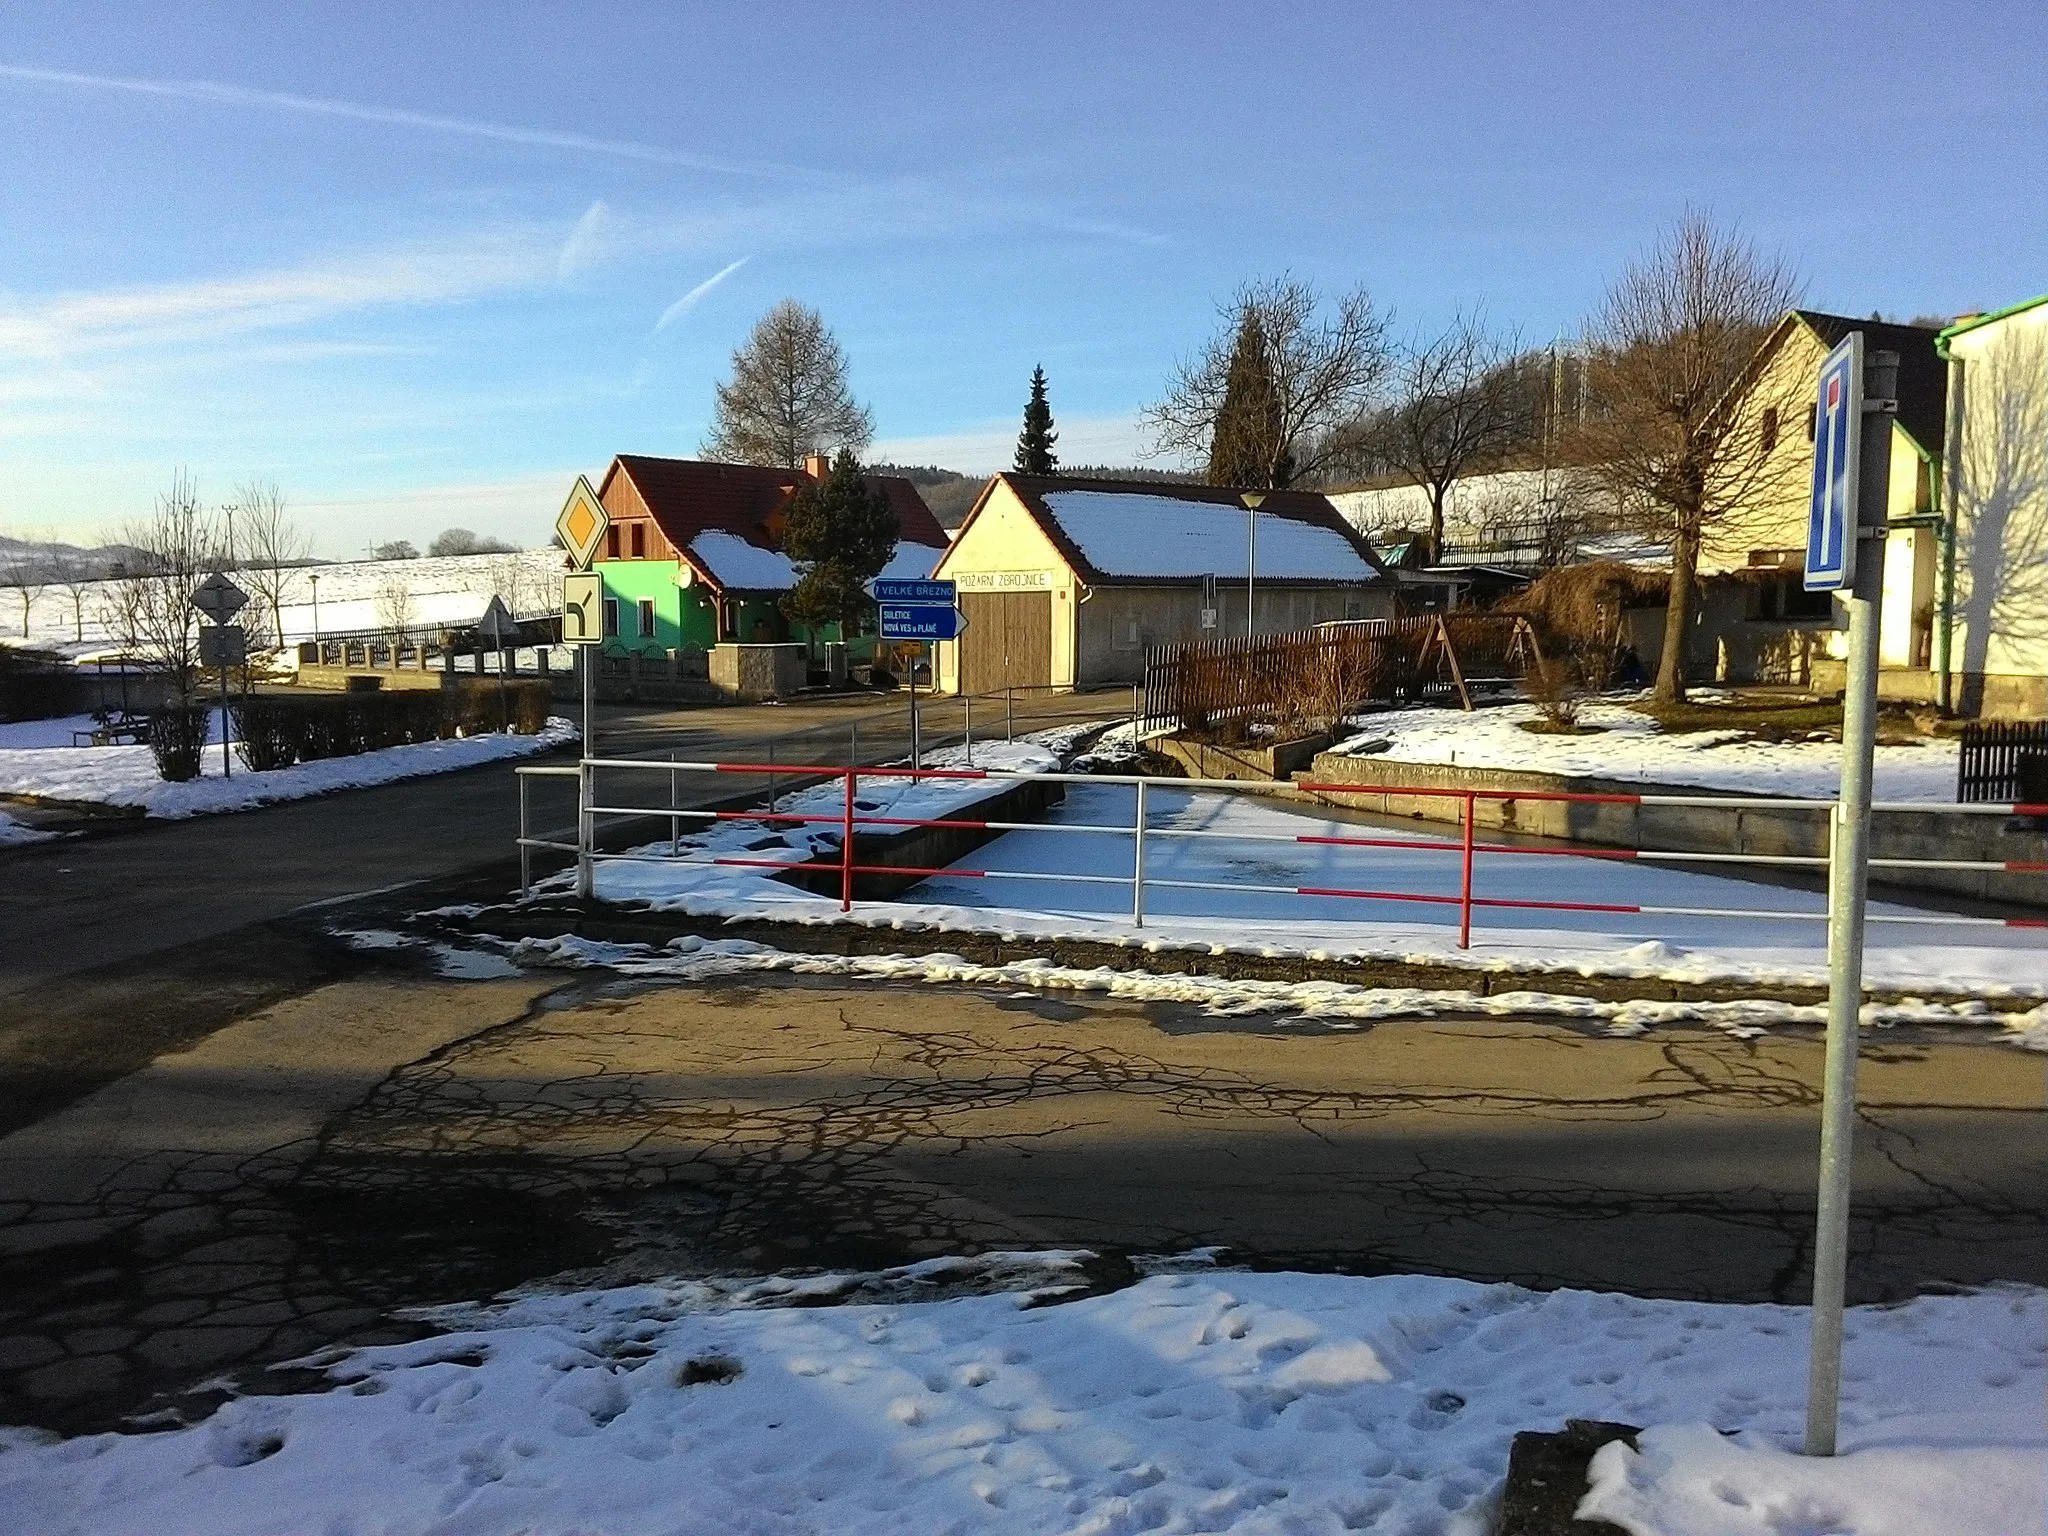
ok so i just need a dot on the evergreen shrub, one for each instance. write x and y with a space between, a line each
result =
177 735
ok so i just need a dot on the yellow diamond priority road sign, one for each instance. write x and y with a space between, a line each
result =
582 524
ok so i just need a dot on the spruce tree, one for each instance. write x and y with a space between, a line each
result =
842 532
1246 447
1035 454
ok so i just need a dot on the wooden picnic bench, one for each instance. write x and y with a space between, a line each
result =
119 728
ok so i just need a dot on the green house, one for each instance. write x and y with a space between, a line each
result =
693 557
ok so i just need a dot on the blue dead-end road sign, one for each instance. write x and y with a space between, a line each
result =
921 621
1837 442
941 594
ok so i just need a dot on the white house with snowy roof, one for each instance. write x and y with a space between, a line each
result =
1066 582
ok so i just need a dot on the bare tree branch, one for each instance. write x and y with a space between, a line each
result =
1324 367
1674 337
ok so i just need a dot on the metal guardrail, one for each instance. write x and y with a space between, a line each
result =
847 818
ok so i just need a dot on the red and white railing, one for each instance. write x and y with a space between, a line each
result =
848 819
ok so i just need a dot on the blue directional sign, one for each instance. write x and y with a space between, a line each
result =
1837 441
921 621
943 594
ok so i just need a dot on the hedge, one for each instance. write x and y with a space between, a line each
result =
176 738
278 730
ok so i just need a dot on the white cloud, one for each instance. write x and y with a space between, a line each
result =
587 243
690 300
210 309
984 449
217 93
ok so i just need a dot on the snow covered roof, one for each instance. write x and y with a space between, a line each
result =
1123 532
738 509
912 562
739 566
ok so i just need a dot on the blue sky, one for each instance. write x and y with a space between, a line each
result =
424 264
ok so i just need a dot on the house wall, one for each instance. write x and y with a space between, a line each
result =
2000 469
1003 549
1117 624
1771 500
630 581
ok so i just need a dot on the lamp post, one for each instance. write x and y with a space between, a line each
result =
1251 500
316 610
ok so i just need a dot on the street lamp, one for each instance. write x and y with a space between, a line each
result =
316 611
1251 500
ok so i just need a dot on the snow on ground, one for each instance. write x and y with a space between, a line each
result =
37 758
12 831
1193 1400
1787 947
1632 748
1325 1005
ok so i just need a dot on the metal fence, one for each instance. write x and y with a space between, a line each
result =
2003 760
848 817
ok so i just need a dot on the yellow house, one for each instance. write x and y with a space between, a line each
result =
1066 582
1997 487
1753 554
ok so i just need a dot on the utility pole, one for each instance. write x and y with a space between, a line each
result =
1868 416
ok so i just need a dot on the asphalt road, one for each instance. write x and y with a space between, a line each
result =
142 936
393 1139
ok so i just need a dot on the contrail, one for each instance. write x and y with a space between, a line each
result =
688 301
241 96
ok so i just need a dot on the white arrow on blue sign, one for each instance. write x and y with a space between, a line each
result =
1837 443
921 621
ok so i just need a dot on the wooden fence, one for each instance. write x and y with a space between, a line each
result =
2003 762
1307 678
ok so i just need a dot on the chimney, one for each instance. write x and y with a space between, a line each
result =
818 466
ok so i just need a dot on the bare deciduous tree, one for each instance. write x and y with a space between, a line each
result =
268 547
394 608
1459 405
1674 335
463 541
787 398
77 581
27 571
149 606
1324 369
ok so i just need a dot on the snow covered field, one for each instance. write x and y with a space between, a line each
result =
1194 1400
1909 956
1633 749
37 758
441 590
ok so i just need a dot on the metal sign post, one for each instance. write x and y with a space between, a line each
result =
1851 481
220 600
498 627
919 611
581 527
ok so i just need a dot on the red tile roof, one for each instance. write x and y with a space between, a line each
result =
687 497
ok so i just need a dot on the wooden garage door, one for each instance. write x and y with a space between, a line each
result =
1008 643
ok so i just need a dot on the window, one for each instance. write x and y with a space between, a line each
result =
646 608
640 548
611 542
728 620
1770 434
611 617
